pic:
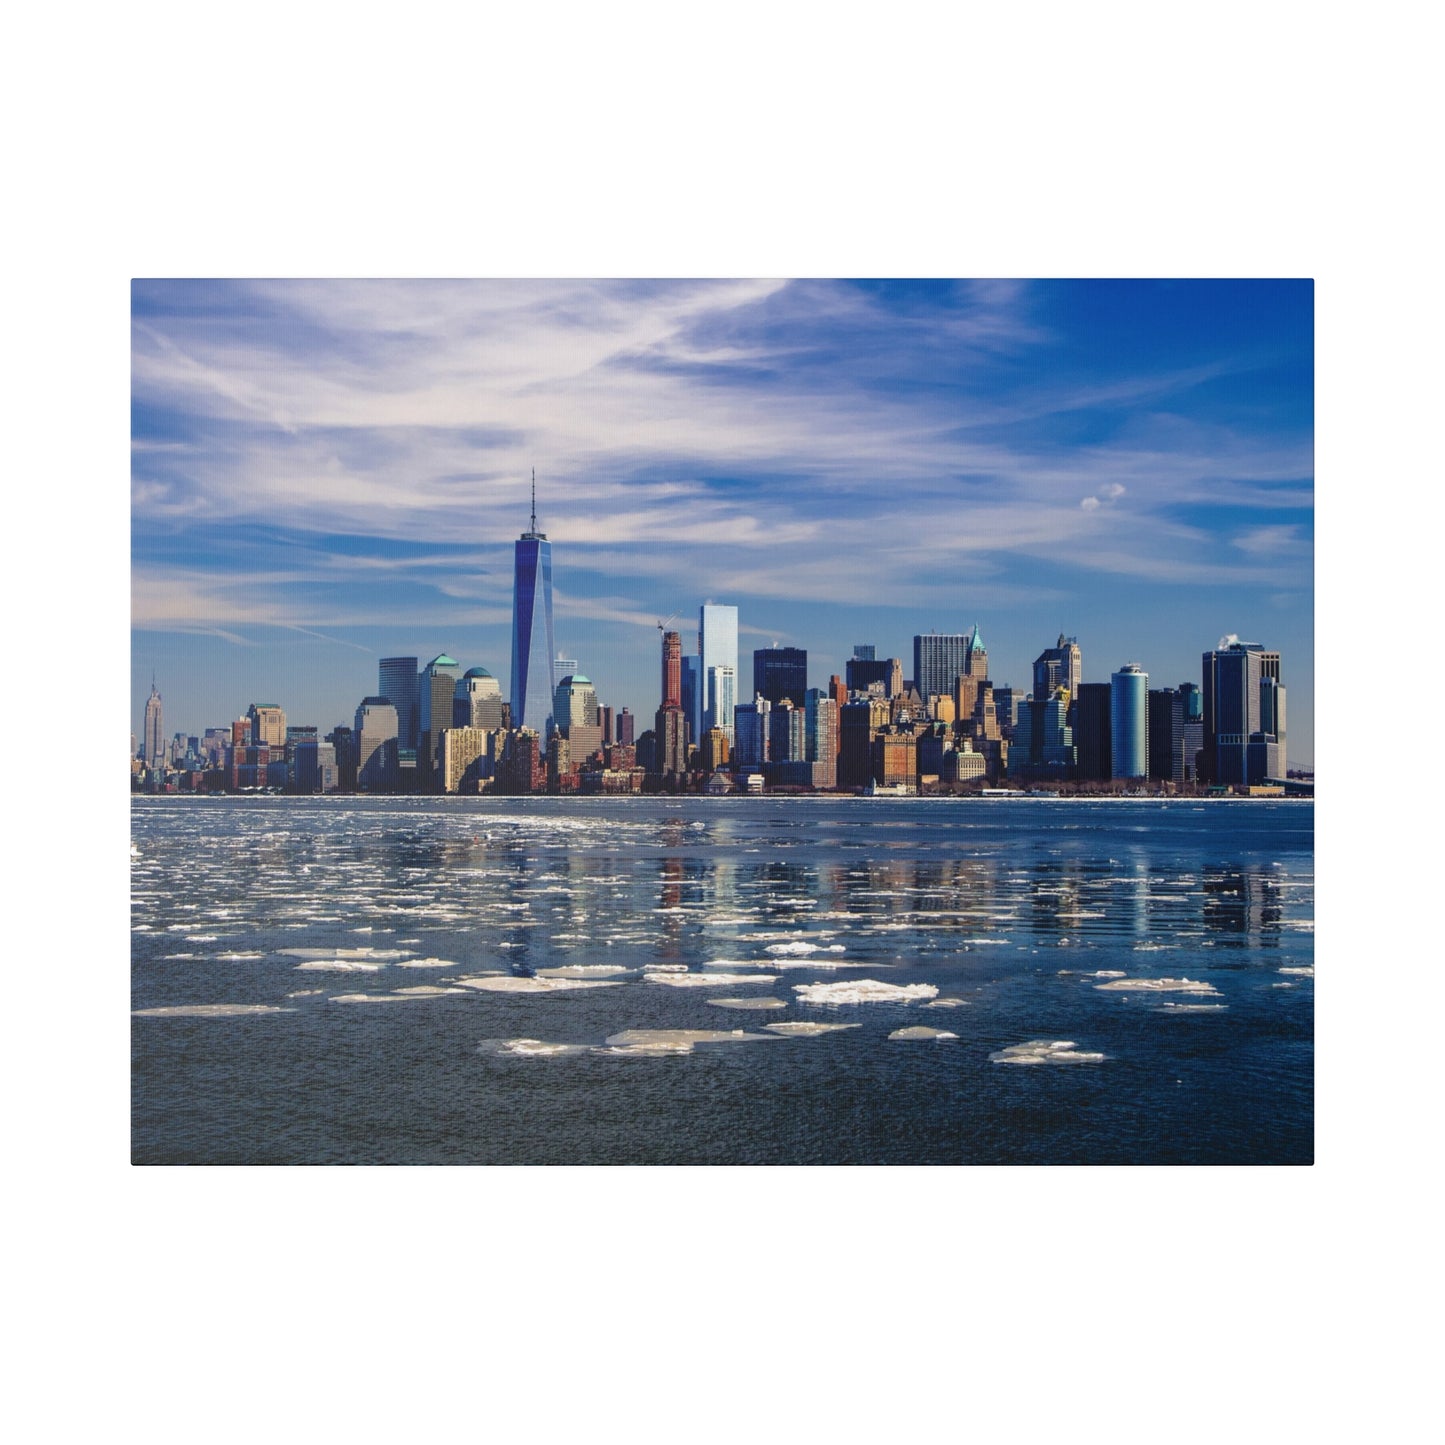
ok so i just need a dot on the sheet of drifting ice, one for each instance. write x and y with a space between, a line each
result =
805 1028
675 1041
508 983
212 1011
752 1003
338 965
864 990
1306 969
426 963
947 1003
1156 985
920 1032
583 970
709 980
401 995
1045 1051
377 953
800 947
529 1048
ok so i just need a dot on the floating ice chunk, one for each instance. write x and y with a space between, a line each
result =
751 1003
1157 985
807 1028
377 953
583 970
709 980
424 990
1045 1051
947 1003
212 1011
674 1041
1191 1008
920 1032
507 983
425 963
1107 973
985 942
306 993
865 990
664 968
202 937
180 955
801 947
238 957
529 1048
401 995
1306 969
338 965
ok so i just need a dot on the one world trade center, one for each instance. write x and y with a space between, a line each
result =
532 649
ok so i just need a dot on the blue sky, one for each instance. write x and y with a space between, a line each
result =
326 473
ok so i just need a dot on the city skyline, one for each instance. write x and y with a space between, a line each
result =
1128 463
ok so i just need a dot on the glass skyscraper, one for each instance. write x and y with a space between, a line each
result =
717 647
532 644
1128 721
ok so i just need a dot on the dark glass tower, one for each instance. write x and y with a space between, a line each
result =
532 644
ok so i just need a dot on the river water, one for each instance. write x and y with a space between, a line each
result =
733 980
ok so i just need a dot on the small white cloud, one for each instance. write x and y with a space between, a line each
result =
1091 504
1112 491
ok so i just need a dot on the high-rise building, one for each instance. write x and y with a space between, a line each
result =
436 693
721 696
751 723
938 658
532 641
625 724
717 646
1092 743
1243 715
786 724
694 698
575 703
396 680
1129 722
1056 667
268 724
477 702
820 736
1166 735
376 746
153 745
864 673
671 669
780 672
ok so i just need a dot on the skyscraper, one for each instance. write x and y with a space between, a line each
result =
671 735
376 746
1243 714
938 658
396 681
436 689
780 672
1056 667
717 647
153 745
477 701
532 642
1128 722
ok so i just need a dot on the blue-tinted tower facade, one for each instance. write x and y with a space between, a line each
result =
532 642
1129 721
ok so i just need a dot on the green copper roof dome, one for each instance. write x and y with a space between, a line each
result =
477 672
442 660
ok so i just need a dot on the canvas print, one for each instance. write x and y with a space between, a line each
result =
722 722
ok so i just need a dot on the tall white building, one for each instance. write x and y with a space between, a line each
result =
154 745
717 646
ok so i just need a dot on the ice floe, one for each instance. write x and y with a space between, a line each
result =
1156 985
807 1028
529 1048
212 1010
947 1003
920 1032
864 990
382 954
1045 1051
584 970
1307 970
508 983
749 1003
401 995
799 947
426 963
238 957
709 980
675 1041
338 965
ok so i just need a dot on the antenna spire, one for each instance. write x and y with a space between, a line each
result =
534 499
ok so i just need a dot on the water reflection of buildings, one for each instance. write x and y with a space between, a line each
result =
1241 907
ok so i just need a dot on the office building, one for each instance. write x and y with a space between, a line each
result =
721 696
153 737
752 737
1243 715
671 669
780 672
477 702
1129 722
864 674
1166 736
436 693
717 646
376 746
1093 748
626 721
267 724
532 641
785 733
1056 667
820 736
937 660
396 680
575 704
